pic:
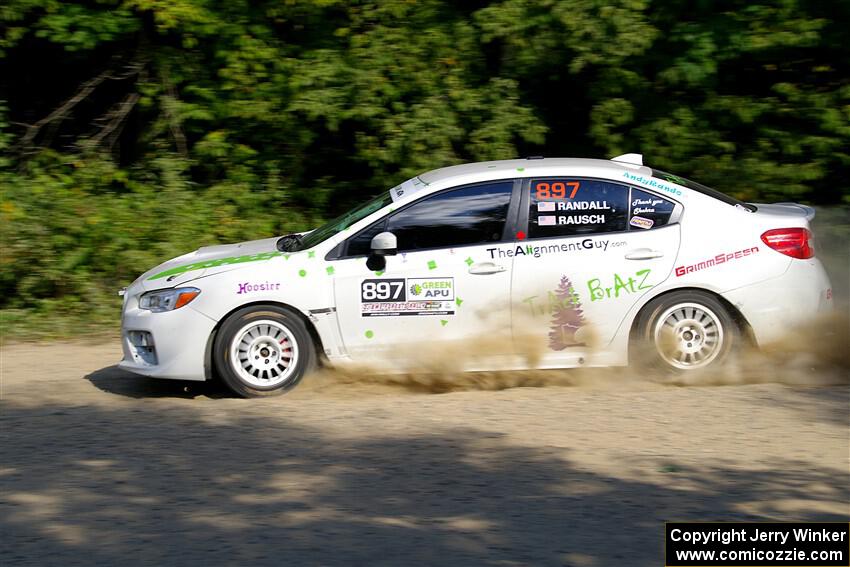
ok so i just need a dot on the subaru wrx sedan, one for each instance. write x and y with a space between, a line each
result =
587 262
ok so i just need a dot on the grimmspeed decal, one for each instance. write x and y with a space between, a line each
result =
393 297
716 261
215 263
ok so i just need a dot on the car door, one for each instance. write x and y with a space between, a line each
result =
594 248
443 286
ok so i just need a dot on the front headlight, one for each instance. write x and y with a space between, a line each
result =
168 299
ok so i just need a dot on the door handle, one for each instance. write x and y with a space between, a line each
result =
643 254
484 268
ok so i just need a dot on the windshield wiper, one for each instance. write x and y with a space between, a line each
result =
289 243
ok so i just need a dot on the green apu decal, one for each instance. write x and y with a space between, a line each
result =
215 263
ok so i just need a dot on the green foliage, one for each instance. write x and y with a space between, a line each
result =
136 130
78 232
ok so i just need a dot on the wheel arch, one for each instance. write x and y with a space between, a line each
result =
741 321
209 370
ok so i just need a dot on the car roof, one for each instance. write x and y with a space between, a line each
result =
522 168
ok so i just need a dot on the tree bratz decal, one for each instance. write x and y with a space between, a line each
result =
567 317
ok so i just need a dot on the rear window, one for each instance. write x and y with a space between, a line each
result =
649 210
699 187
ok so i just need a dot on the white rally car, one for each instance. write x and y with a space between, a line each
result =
590 261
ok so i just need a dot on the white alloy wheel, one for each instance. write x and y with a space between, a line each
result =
688 336
264 354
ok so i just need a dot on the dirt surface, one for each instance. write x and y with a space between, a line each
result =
103 467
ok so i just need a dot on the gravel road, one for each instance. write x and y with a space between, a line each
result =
100 467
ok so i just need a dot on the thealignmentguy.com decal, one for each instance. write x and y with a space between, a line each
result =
538 251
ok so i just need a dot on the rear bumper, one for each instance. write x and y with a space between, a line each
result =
775 306
179 342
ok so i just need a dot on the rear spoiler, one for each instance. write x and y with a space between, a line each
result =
807 210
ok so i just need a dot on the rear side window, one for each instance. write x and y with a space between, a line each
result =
566 206
648 210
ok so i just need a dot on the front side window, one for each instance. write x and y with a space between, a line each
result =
361 244
475 214
567 206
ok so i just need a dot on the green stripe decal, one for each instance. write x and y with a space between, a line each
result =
215 263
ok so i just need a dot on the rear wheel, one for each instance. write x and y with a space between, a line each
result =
686 331
263 351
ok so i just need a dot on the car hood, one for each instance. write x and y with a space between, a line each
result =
208 260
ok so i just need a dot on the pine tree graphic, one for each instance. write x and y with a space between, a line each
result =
567 317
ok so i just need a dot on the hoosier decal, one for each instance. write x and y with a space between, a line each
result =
248 287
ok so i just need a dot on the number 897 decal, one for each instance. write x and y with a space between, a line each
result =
393 297
382 290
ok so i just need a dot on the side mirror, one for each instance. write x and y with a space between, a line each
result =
383 244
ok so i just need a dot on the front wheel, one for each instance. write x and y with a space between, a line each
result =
685 331
263 351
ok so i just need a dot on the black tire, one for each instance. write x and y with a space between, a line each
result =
699 333
279 333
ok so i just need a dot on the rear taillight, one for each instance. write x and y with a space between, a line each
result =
795 242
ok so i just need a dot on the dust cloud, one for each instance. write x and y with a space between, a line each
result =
815 354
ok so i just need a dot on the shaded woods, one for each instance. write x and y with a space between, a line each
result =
132 131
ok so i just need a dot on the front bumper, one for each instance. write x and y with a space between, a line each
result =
165 345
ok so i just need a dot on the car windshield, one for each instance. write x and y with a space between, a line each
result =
342 222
